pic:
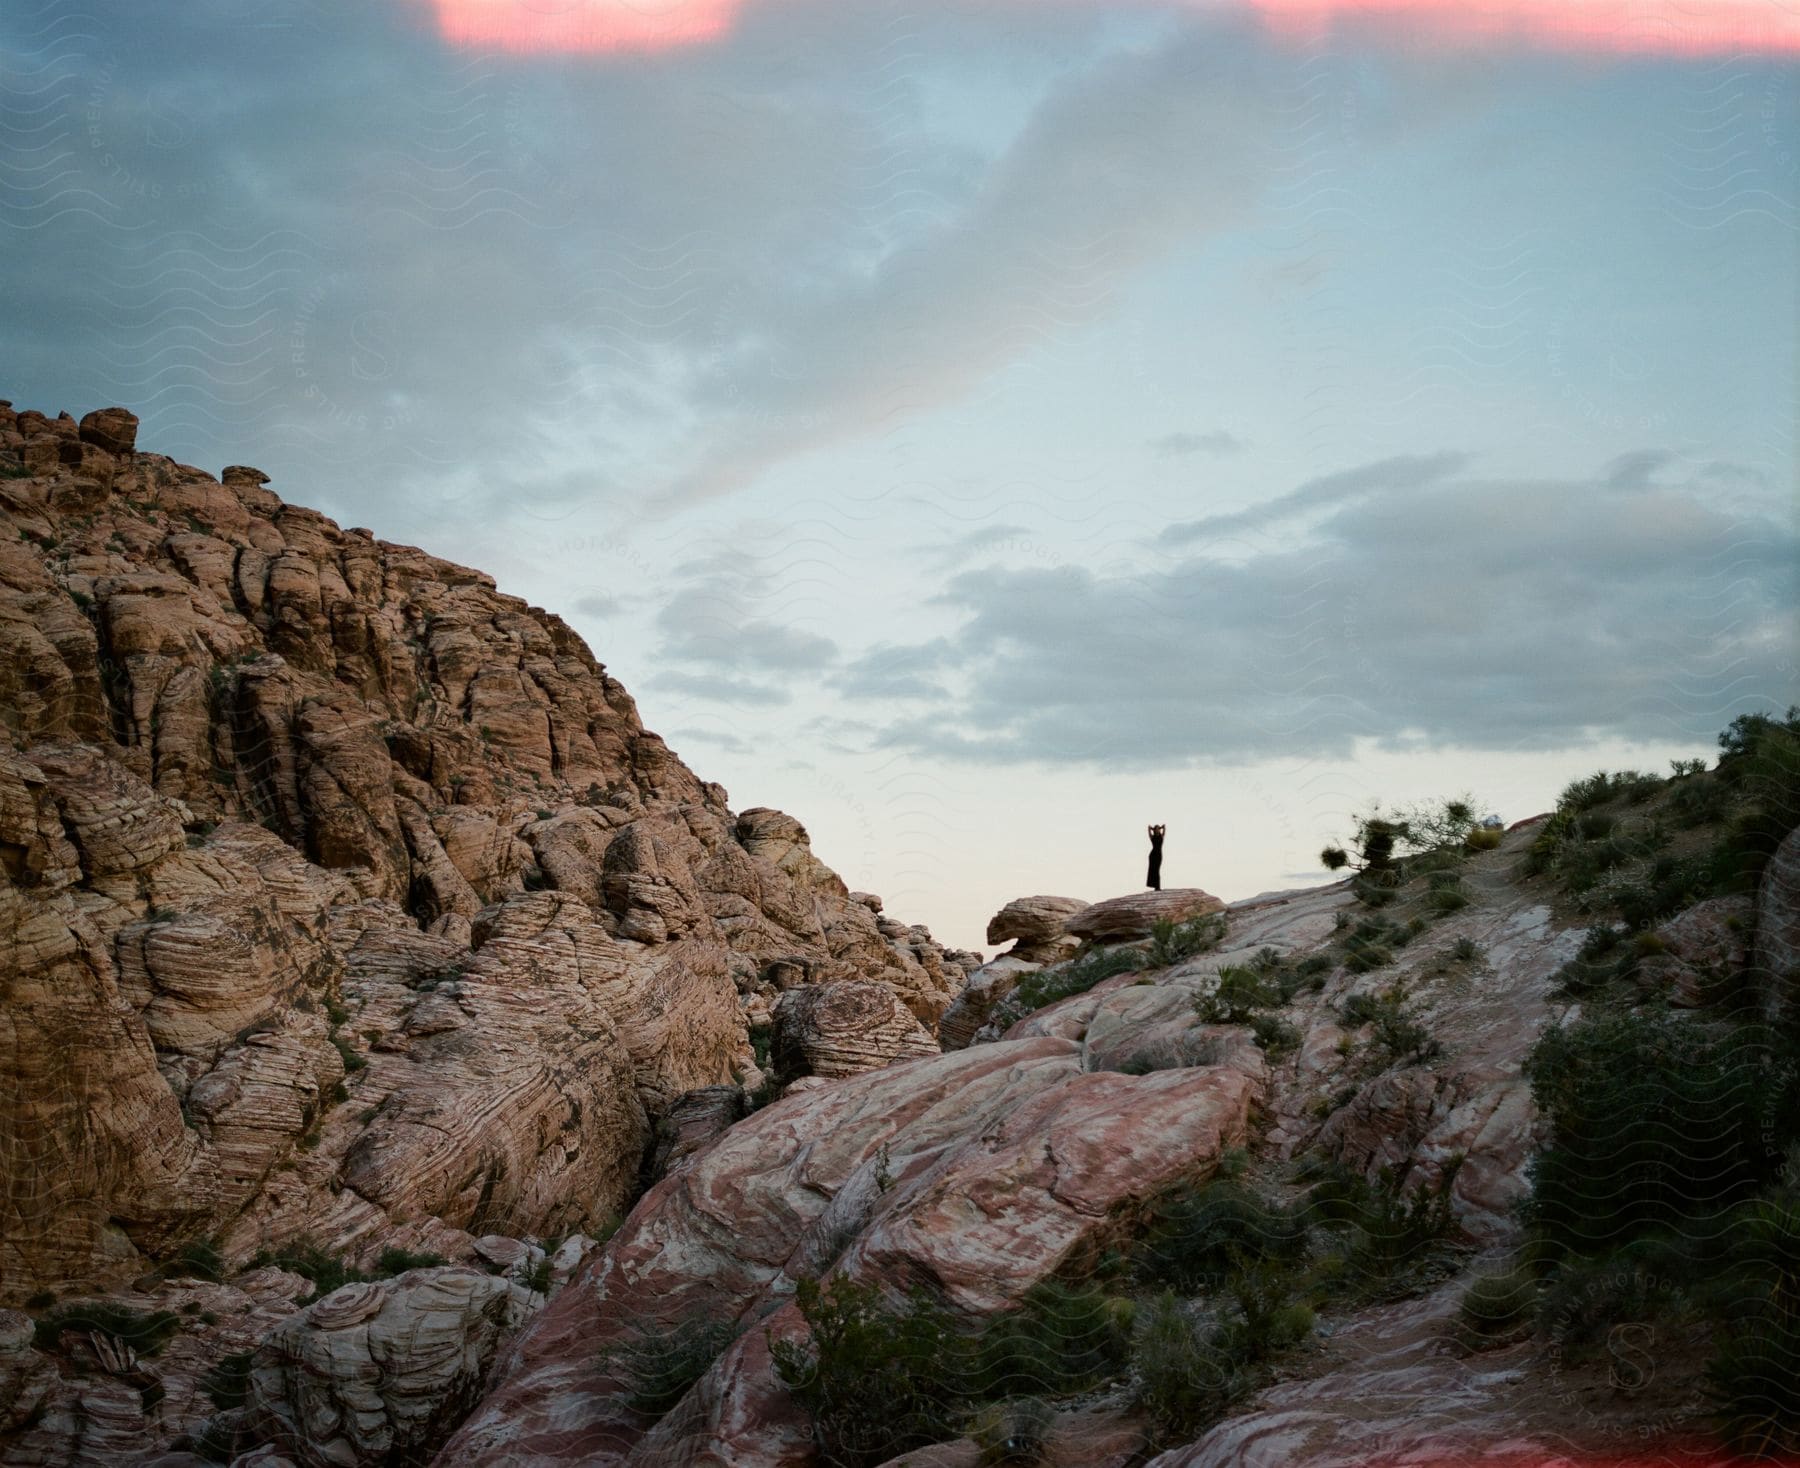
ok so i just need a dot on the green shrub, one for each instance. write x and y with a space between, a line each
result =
1394 1229
1654 1121
1268 1315
875 1380
1447 899
1240 993
1171 943
197 1259
227 1383
145 1331
1396 1034
660 1366
325 1270
1013 1432
1276 1036
1077 976
1064 1338
394 1261
1467 950
1182 1381
1198 1236
1754 1379
1483 838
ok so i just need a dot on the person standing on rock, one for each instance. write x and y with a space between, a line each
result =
1154 879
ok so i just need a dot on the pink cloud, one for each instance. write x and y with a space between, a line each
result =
1603 27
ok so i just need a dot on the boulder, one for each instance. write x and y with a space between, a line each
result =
112 429
380 1372
1119 919
1037 928
835 1030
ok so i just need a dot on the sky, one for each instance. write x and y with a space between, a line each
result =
985 427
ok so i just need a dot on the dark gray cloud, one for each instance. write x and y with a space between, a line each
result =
1185 445
1422 609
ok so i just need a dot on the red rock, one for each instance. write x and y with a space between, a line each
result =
1135 915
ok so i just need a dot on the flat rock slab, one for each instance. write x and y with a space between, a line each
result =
1134 916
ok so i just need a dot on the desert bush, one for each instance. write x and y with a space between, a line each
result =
1198 1236
1467 950
1393 1230
1063 1338
876 1380
1754 1379
392 1261
1241 991
145 1331
1182 1381
1012 1432
1448 899
1654 1121
1274 1034
1077 976
1396 1034
1170 943
196 1259
660 1365
227 1383
1484 838
326 1271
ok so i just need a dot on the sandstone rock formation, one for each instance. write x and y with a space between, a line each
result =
1037 927
378 1372
346 895
1119 919
981 1171
835 1030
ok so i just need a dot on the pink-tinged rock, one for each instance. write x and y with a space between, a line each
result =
1086 1437
1136 915
1389 1393
1778 929
1703 949
979 1172
776 1196
837 1030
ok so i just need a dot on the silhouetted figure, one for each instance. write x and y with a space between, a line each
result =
1154 879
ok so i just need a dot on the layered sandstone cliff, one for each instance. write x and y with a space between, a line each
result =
345 897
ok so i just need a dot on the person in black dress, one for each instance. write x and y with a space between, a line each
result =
1154 879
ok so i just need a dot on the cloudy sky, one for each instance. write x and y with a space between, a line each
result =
983 427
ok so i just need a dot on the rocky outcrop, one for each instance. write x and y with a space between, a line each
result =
1696 953
346 897
836 1030
377 1373
1777 952
978 1173
1037 928
985 988
1120 919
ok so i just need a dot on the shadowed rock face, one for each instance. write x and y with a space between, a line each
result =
342 895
